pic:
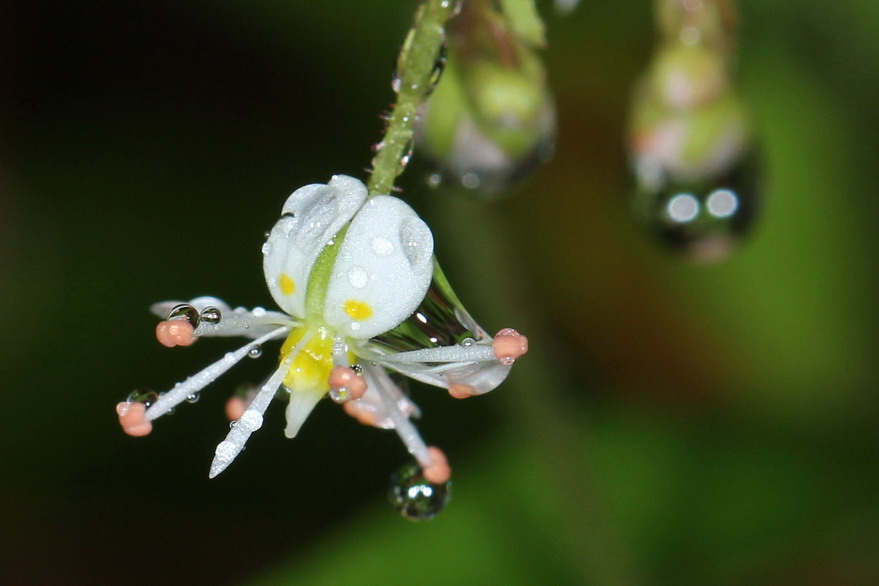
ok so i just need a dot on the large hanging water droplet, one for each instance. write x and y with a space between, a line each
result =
211 315
143 395
185 311
255 352
415 497
702 217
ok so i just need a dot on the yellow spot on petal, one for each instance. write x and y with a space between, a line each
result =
287 284
358 310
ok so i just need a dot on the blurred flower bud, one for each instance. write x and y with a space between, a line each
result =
696 172
491 119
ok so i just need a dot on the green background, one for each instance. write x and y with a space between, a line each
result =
675 424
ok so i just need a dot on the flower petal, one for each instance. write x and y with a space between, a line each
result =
382 271
312 216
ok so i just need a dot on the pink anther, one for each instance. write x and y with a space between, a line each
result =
462 390
509 345
235 408
438 472
342 377
360 413
133 420
175 332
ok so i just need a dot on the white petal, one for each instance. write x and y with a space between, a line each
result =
383 269
312 216
474 365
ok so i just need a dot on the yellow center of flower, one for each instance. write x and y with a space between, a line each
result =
310 368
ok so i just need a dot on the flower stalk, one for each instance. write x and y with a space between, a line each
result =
418 67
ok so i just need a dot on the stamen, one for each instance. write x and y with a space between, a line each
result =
438 471
175 332
237 404
345 385
200 380
132 420
462 390
251 420
509 345
407 432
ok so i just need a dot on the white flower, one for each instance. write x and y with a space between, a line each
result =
352 274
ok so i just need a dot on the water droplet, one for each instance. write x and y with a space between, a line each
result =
408 150
193 398
255 352
143 395
211 315
415 497
381 246
185 311
438 67
702 218
358 277
471 180
439 320
396 81
266 248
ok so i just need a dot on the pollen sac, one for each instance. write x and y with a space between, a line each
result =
415 497
491 120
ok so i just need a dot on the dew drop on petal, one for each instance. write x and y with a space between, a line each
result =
358 277
255 352
185 311
193 398
145 396
382 246
211 315
416 498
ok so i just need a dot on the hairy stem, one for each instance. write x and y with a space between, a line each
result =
414 79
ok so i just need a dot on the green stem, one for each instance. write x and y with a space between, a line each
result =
413 83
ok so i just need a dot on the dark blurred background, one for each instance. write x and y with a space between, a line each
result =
675 424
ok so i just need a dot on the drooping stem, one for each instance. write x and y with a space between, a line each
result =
414 79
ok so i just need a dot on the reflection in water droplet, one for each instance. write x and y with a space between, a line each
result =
438 67
704 217
440 320
255 352
143 395
185 311
408 150
193 398
211 315
415 497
